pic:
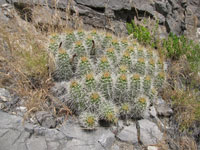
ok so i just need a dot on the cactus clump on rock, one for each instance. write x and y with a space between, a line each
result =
108 77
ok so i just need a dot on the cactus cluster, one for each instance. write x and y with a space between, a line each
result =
108 77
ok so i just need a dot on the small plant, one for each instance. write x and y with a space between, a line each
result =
80 34
111 54
140 66
147 84
106 84
53 46
79 49
90 82
108 111
84 66
88 120
125 109
151 67
121 87
132 51
69 39
104 64
126 59
124 43
123 69
116 45
159 80
139 107
64 71
135 85
140 52
141 33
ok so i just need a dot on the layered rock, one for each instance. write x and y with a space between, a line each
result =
176 16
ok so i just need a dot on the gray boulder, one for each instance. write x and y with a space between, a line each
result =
45 119
129 134
99 139
5 95
163 109
149 132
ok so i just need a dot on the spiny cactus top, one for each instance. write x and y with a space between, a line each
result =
108 76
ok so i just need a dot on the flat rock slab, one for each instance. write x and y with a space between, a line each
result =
99 139
149 132
14 135
129 134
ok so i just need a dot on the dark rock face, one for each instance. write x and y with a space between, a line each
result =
178 16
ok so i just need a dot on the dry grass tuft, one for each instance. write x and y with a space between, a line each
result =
182 90
25 65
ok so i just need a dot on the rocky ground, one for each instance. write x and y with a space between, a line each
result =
42 135
44 131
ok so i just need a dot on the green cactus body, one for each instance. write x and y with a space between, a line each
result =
79 49
69 40
89 43
84 66
151 67
93 101
123 69
131 50
125 109
124 43
95 97
140 66
140 52
135 85
159 80
55 37
107 41
116 45
106 84
108 111
63 70
88 120
149 54
95 35
160 65
90 82
76 90
104 64
152 95
78 96
121 87
126 59
139 107
111 55
53 46
80 35
147 84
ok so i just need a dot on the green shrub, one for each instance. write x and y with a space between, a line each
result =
172 47
141 33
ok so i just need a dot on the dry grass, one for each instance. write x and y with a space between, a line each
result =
181 89
187 143
25 65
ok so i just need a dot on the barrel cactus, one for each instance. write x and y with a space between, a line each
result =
109 77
